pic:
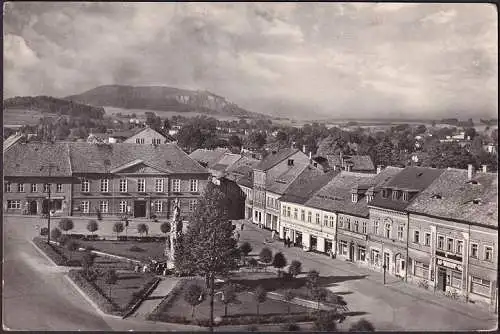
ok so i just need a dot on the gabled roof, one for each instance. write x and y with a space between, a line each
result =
33 159
208 157
412 179
96 158
306 184
358 162
456 198
336 195
275 158
11 140
279 184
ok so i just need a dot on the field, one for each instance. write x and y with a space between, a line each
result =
140 113
23 117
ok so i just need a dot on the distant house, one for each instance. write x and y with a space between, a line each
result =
491 148
149 136
350 163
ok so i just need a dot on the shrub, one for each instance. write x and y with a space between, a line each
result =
279 261
66 224
50 251
193 295
165 227
118 228
266 255
290 327
362 325
326 321
245 248
136 249
63 239
142 229
312 280
55 234
252 328
295 268
92 226
253 263
44 231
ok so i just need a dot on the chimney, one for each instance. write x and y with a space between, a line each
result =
304 148
470 172
379 169
485 168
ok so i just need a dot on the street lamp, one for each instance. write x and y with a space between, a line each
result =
384 267
49 167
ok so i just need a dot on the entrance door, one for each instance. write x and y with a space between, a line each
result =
351 252
298 239
139 209
328 246
314 242
386 261
33 208
441 279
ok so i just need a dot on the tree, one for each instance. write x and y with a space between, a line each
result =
66 224
312 280
235 141
253 263
87 261
420 129
245 249
110 278
72 246
295 268
319 295
256 140
208 248
92 226
266 255
260 296
166 124
279 262
118 228
326 321
142 229
194 295
362 325
55 234
165 227
470 133
281 136
229 296
289 296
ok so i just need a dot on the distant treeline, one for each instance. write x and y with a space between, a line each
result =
54 105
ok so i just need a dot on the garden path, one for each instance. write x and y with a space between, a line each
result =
162 290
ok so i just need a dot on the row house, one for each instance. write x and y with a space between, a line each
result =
305 226
453 242
115 179
389 220
271 178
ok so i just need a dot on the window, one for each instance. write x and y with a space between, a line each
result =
139 140
449 245
309 216
325 220
387 230
363 228
427 239
192 204
385 193
141 185
288 209
193 185
159 185
46 188
405 196
7 187
356 226
401 231
375 228
361 253
354 198
103 206
123 206
302 215
284 210
480 286
395 194
348 224
460 246
421 269
290 162
416 237
156 141
20 187
176 185
104 185
488 253
34 188
295 213
332 221
375 257
59 188
13 204
456 279
341 222
85 186
318 218
474 251
440 242
85 207
158 205
343 247
123 185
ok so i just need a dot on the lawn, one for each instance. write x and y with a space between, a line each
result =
143 250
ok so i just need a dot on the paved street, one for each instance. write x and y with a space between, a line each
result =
396 306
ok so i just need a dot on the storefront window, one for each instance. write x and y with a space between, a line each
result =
421 269
343 247
456 279
361 253
480 286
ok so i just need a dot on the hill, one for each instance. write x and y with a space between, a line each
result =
162 99
51 105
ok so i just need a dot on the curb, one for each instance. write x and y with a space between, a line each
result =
43 253
87 298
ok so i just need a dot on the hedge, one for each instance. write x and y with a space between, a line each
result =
94 292
54 254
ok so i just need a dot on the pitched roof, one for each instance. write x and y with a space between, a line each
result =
336 195
279 184
456 197
28 159
275 158
91 158
11 140
413 179
306 184
246 180
208 157
359 162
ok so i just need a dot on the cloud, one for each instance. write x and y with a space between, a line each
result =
352 59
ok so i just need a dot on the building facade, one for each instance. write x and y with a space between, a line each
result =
149 136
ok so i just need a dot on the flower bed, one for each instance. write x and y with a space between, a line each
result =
58 254
128 249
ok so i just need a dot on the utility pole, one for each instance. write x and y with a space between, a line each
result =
50 166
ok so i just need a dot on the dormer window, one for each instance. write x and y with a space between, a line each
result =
473 182
476 201
354 198
436 196
290 162
369 198
406 196
395 194
385 193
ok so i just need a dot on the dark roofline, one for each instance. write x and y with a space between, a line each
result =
453 219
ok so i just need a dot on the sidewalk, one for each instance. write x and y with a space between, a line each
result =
149 304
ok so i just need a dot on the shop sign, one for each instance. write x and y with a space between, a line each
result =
450 265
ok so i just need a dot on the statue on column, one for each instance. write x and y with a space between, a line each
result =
175 232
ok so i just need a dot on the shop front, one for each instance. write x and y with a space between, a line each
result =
352 246
483 285
449 275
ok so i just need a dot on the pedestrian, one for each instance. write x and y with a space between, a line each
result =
242 226
273 234
285 242
288 242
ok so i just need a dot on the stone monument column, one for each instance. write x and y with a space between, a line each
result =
175 230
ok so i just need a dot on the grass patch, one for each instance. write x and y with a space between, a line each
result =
138 250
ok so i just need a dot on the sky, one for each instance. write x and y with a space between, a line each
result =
358 60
